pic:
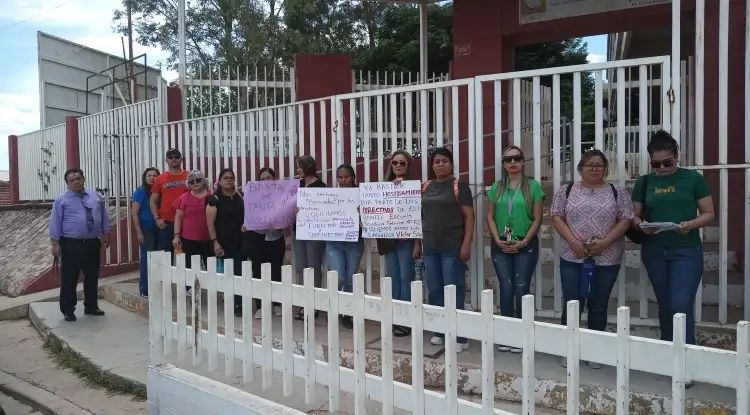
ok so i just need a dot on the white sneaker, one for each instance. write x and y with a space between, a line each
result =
277 310
437 341
516 350
460 347
189 292
258 314
503 348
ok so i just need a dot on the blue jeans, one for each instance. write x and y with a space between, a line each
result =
399 265
236 254
443 268
675 274
164 238
344 258
605 277
514 272
150 236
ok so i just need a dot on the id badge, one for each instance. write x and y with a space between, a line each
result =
508 233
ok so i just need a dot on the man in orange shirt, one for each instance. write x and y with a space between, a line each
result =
166 189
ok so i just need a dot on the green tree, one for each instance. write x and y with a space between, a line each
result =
396 44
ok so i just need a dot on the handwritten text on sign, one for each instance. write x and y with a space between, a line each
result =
390 211
328 214
270 203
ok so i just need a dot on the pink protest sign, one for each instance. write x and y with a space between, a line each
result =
270 203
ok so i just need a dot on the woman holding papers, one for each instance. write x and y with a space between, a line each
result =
447 230
400 253
266 246
309 254
344 257
225 213
673 258
513 218
591 217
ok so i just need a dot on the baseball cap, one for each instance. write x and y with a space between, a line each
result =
174 152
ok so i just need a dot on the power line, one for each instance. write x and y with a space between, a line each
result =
35 16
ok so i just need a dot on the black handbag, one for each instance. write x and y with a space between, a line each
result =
385 246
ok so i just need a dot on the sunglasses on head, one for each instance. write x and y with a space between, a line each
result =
398 163
511 159
196 181
656 164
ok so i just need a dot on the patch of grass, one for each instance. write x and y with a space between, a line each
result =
67 358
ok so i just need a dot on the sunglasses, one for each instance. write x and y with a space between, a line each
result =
512 159
196 181
656 164
398 163
173 157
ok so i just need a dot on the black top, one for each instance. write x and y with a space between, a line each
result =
230 215
316 183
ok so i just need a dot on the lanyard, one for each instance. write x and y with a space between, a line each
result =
511 199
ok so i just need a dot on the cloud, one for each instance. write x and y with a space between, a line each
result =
20 114
88 15
595 58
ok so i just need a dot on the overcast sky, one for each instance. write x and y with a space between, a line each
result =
87 22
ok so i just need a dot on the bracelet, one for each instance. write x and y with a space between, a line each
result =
176 234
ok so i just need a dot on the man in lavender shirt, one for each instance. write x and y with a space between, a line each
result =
79 229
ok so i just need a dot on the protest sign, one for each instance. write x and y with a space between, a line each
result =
328 214
270 203
391 211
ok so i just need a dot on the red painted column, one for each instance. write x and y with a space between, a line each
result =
479 49
174 104
13 156
320 76
72 148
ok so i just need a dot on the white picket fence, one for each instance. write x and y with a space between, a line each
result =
677 360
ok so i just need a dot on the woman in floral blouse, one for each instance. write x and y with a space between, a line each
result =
591 217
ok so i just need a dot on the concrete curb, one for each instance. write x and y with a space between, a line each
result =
59 344
17 308
39 399
550 393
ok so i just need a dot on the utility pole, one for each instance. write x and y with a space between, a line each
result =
133 82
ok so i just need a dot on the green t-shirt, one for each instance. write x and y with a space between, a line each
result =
522 215
672 198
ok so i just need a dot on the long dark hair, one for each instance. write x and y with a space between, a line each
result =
441 151
217 191
308 166
267 169
391 176
349 169
146 186
502 183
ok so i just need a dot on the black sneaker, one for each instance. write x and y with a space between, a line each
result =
70 317
94 312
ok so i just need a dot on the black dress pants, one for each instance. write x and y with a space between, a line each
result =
76 256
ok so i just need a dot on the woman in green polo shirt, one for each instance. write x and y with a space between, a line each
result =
673 259
514 217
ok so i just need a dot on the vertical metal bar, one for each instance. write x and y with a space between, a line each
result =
723 153
676 51
746 257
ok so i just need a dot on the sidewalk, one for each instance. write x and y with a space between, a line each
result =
29 369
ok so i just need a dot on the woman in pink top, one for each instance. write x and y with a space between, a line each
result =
591 217
190 226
